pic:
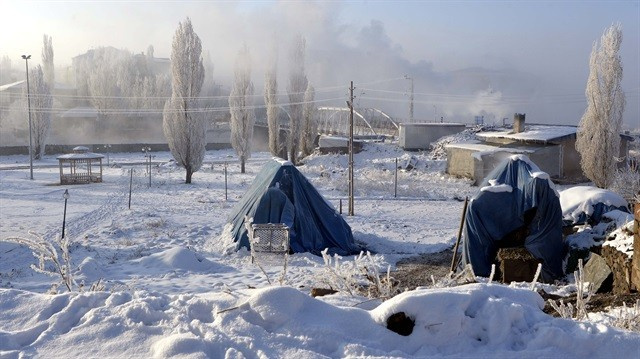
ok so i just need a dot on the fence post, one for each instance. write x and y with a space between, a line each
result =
395 181
225 181
130 185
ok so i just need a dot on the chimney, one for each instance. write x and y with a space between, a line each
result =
518 122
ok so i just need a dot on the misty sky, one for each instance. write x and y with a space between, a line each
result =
467 58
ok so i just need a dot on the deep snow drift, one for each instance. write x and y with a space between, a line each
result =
170 291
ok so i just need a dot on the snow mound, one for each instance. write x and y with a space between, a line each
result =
474 320
580 200
439 151
176 258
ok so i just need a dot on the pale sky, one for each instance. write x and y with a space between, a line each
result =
466 57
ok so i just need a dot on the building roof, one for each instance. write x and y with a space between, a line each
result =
20 85
481 149
533 133
80 112
17 84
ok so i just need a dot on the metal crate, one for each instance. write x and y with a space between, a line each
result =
269 238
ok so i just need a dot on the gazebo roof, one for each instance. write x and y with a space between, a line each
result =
80 153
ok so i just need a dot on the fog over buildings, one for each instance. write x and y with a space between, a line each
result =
466 59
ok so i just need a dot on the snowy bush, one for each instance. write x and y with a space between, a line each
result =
628 317
583 295
626 182
56 252
360 276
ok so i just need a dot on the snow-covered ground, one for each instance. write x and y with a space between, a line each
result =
170 292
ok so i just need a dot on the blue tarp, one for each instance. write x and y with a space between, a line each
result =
281 194
596 216
496 212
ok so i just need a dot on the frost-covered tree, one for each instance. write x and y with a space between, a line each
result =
41 102
599 136
183 125
271 102
296 90
47 61
309 124
102 80
5 70
241 107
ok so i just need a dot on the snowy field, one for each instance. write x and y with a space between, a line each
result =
169 291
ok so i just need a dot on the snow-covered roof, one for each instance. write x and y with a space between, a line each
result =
20 85
80 112
80 156
533 133
484 148
11 85
433 124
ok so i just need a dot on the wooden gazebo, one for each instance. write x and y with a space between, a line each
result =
81 166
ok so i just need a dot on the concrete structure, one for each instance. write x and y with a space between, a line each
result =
552 148
419 136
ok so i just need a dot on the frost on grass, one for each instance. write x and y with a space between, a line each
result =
359 276
56 252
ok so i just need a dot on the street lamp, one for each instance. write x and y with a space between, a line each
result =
107 148
26 64
406 77
146 150
65 195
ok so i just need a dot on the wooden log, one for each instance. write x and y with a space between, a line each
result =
517 264
620 264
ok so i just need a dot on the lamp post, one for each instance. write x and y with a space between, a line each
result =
26 65
65 195
146 150
410 99
107 148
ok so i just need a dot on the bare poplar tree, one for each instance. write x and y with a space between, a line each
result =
41 101
599 136
47 61
309 124
241 108
102 83
296 89
183 125
271 101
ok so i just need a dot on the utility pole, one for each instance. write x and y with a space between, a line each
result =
351 149
410 99
26 64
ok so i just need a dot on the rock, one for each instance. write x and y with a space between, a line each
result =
319 292
400 323
599 274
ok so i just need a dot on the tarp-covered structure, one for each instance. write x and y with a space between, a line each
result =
281 194
515 198
587 204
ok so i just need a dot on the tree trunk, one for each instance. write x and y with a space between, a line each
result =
189 174
242 162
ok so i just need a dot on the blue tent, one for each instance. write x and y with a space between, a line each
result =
515 196
281 194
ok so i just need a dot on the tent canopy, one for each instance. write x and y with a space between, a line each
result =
515 197
281 194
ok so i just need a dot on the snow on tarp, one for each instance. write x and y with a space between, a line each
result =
479 320
586 204
492 216
316 224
